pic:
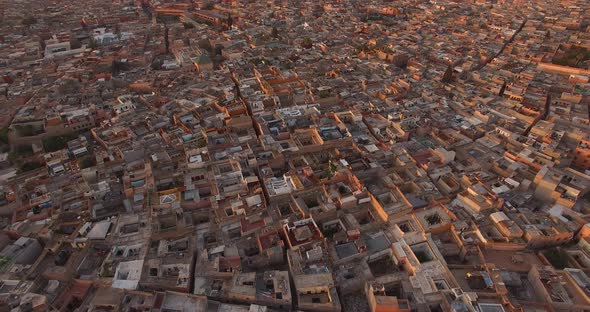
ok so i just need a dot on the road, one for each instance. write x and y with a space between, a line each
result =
490 59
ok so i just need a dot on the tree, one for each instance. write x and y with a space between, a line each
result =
4 135
404 227
166 40
556 257
92 43
26 130
218 49
448 76
401 60
29 20
28 166
87 162
19 153
208 6
230 21
307 43
275 32
75 43
422 256
217 60
188 25
433 219
53 144
156 64
205 44
114 68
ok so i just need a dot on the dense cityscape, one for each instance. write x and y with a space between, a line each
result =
295 155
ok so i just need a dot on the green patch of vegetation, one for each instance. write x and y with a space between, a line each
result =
573 57
56 143
156 64
343 190
307 43
433 219
329 233
29 166
29 20
325 174
312 203
201 143
372 17
3 262
422 256
19 153
4 141
556 257
188 25
202 21
87 162
448 75
4 135
27 130
404 227
364 48
163 18
260 61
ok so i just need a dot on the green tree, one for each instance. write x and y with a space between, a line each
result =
75 43
205 44
275 32
92 43
401 60
230 21
448 75
307 43
156 64
166 40
556 257
29 166
56 143
433 219
4 135
19 153
29 20
87 162
25 130
218 49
